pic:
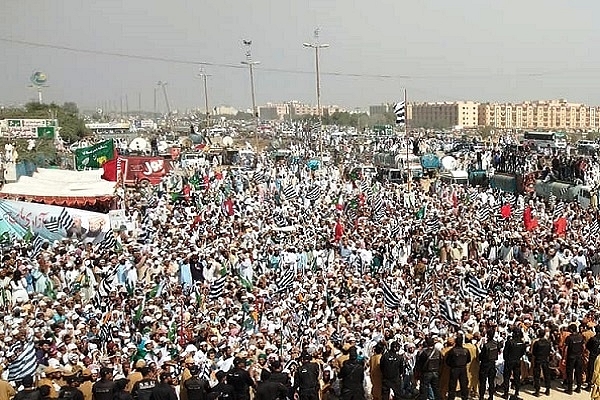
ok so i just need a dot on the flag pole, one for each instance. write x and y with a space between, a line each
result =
408 174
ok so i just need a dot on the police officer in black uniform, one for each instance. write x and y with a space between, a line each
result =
29 391
352 376
392 368
270 389
306 379
540 350
574 345
428 364
71 390
514 350
593 346
196 387
457 359
222 390
164 390
142 389
488 356
240 379
104 389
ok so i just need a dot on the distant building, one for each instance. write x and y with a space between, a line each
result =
294 109
380 109
553 114
443 115
225 110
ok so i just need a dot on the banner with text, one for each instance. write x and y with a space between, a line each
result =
94 156
19 220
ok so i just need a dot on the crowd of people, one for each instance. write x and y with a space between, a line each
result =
285 281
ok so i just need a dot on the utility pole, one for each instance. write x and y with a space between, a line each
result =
250 63
204 77
163 85
316 45
155 109
127 105
139 102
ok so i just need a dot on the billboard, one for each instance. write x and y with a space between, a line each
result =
28 128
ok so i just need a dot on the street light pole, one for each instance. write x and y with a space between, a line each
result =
204 77
251 64
316 45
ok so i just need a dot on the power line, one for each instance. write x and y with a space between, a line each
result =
266 69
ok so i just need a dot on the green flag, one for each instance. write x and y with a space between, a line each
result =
94 156
172 332
138 313
421 213
28 236
246 283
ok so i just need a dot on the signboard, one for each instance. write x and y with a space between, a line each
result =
45 132
118 219
108 126
27 128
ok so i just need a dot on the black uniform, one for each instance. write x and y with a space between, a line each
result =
163 391
540 351
196 388
28 394
457 359
593 346
222 391
392 367
487 367
271 390
241 382
70 393
143 389
103 390
513 351
429 362
306 381
352 376
574 344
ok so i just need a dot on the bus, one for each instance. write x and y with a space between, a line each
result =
543 140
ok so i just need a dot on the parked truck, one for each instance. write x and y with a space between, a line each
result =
527 184
144 170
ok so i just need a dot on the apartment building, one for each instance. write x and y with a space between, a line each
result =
443 114
295 109
553 114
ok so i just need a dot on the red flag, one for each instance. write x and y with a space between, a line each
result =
505 211
454 199
339 231
530 222
110 170
228 207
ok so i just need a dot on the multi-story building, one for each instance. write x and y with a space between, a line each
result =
380 109
295 109
553 114
443 115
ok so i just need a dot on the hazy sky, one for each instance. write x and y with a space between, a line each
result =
439 50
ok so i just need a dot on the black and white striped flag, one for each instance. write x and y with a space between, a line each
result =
109 242
108 283
105 333
390 299
36 246
51 223
559 209
474 287
447 313
217 288
432 225
485 212
595 228
315 127
378 209
290 193
473 196
24 365
258 177
400 112
65 221
314 193
286 281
